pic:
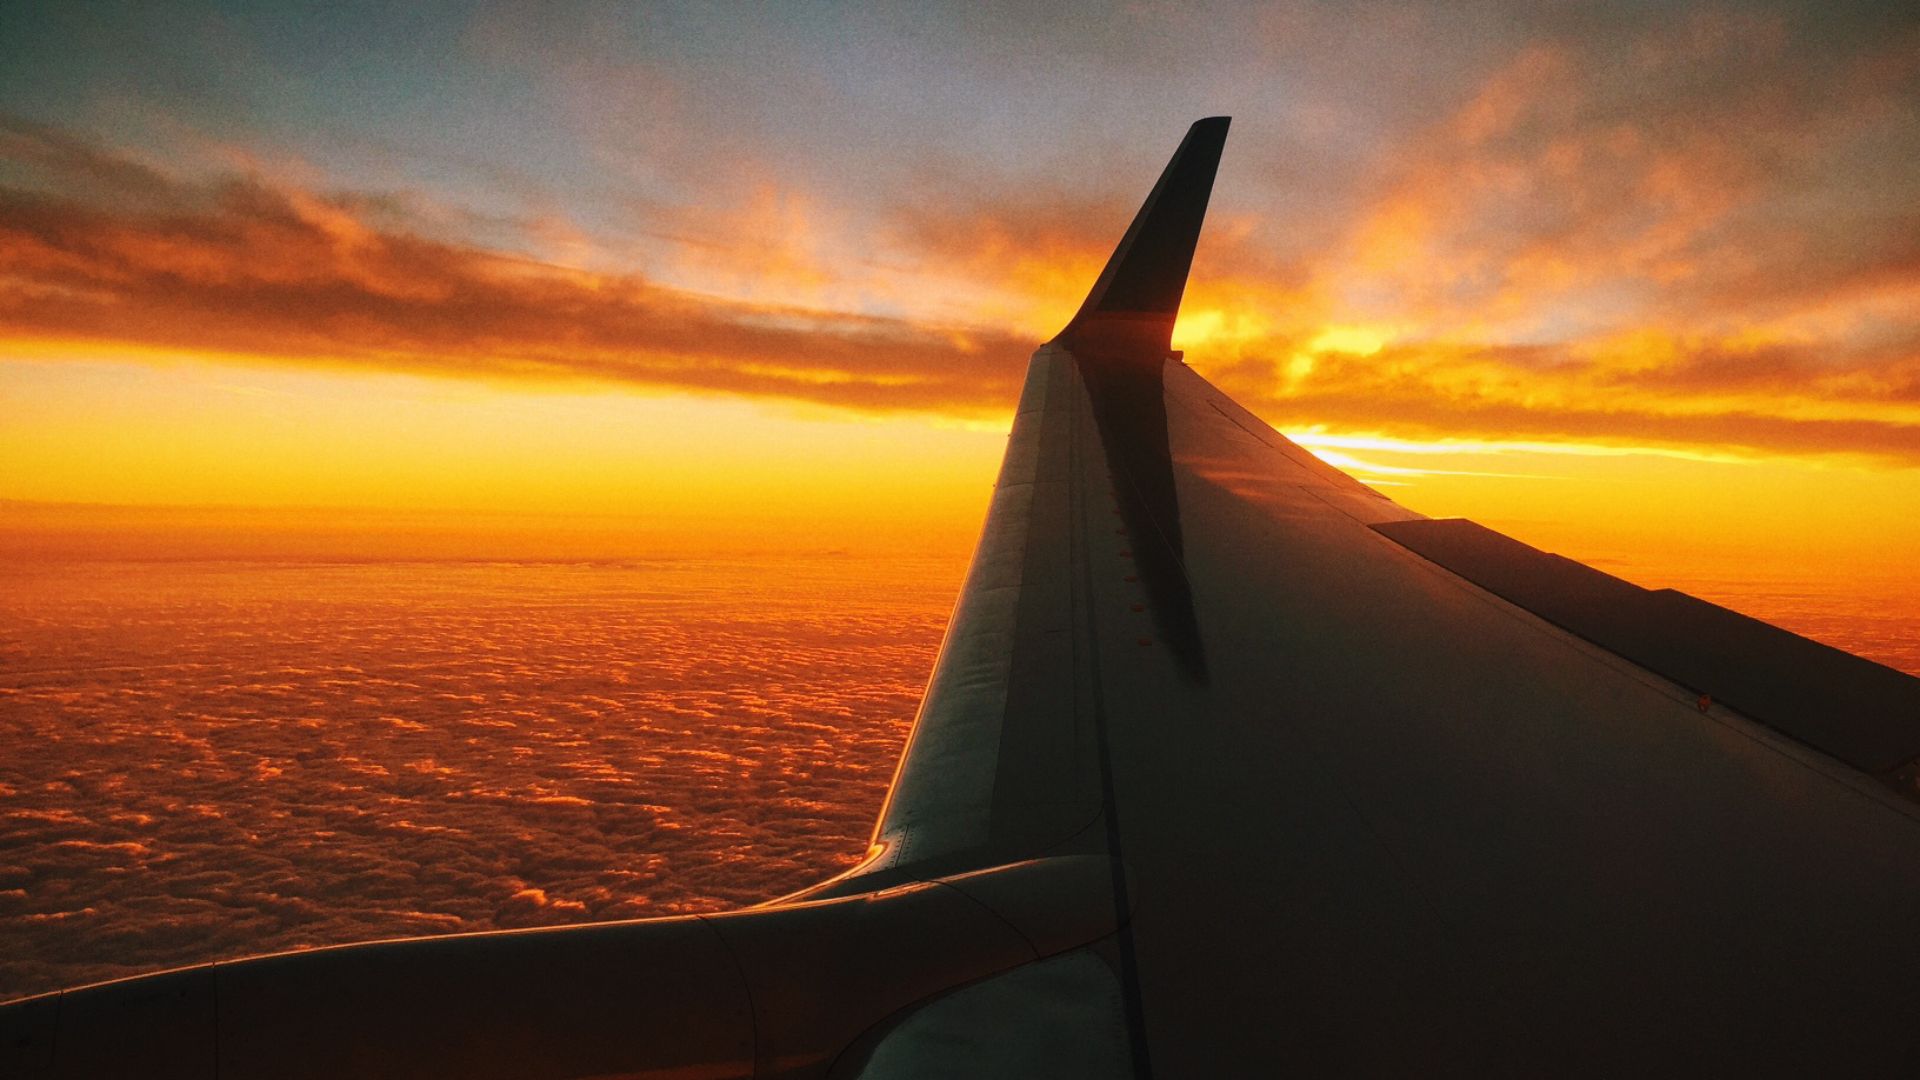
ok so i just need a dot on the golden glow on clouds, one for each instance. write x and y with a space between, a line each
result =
1318 438
1654 508
1358 340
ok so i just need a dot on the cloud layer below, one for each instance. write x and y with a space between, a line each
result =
208 760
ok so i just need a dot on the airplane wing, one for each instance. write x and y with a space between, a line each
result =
1228 765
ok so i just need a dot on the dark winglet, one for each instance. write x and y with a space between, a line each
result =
1134 303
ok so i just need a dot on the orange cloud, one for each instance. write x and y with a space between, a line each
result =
248 268
1497 394
1646 241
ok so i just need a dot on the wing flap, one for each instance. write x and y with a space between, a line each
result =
1858 711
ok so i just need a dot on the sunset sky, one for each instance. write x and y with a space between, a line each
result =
1637 281
430 434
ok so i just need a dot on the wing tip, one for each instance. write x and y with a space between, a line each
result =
1146 276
